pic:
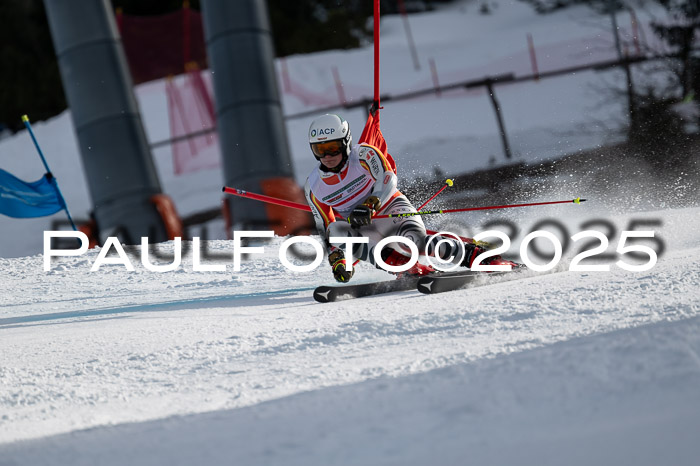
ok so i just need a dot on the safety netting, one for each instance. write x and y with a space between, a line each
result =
162 45
192 122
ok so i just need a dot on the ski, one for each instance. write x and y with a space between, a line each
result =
432 284
436 284
328 294
439 282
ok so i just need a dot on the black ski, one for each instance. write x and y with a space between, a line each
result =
327 294
437 284
330 293
432 284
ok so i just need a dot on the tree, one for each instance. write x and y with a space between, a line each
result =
678 33
315 25
30 81
667 110
550 6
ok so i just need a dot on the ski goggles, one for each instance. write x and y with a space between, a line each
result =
327 148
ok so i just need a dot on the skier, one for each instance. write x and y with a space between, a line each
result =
357 183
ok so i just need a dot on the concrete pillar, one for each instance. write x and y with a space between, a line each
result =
250 123
116 158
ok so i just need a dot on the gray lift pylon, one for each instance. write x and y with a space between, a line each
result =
116 158
250 124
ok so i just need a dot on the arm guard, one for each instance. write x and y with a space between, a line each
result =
378 167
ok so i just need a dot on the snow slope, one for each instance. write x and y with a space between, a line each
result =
141 368
182 366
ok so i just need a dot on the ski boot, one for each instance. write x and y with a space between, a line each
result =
394 258
472 250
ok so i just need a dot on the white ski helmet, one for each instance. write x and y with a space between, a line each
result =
327 129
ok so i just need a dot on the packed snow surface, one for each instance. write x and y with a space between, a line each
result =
183 366
118 367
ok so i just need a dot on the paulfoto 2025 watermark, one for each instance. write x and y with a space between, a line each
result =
599 240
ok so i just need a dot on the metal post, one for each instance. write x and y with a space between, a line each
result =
250 123
499 119
409 35
488 82
116 158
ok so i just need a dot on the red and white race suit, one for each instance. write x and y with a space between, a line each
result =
366 173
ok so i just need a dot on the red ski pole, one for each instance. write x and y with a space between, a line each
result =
578 200
296 205
268 199
448 182
282 202
306 208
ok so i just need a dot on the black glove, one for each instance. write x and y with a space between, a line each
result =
362 214
471 250
337 261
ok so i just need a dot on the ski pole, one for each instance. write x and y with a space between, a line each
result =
296 205
264 198
306 208
278 201
578 200
448 182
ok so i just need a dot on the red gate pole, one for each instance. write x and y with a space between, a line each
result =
376 104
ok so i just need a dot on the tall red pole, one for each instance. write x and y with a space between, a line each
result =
376 55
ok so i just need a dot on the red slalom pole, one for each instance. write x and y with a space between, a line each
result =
296 205
376 55
304 207
578 200
448 182
293 205
268 199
